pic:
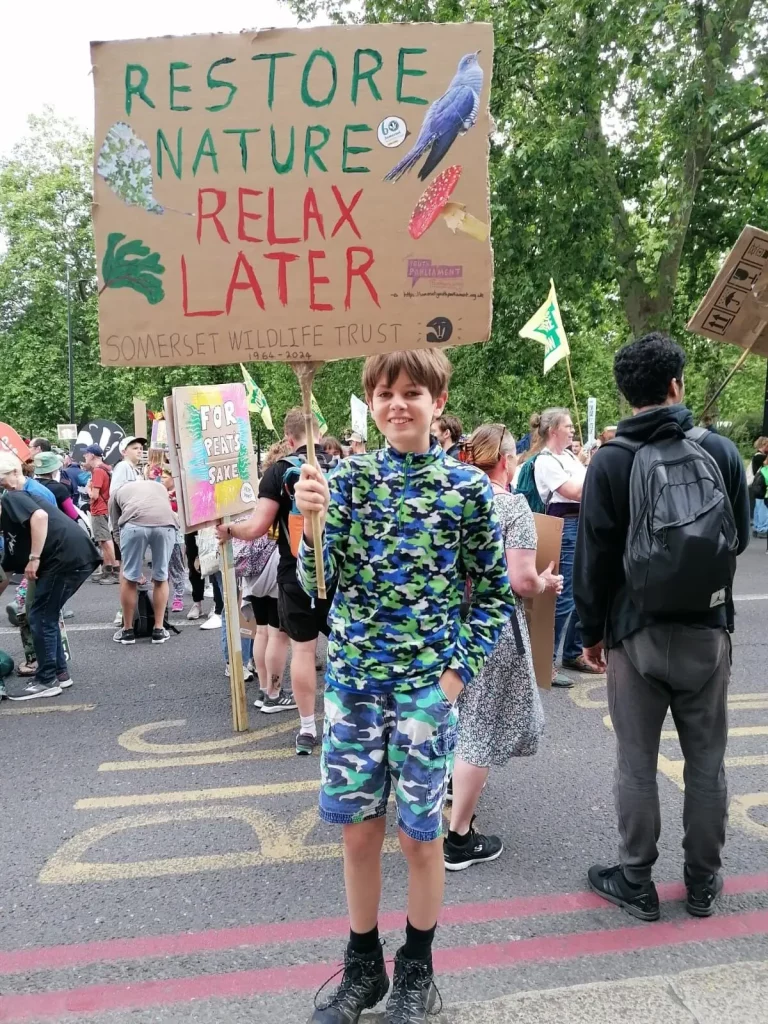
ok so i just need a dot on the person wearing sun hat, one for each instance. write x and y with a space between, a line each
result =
47 472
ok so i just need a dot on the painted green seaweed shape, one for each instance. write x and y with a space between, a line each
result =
132 265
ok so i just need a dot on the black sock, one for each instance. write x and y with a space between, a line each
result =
457 839
418 944
364 942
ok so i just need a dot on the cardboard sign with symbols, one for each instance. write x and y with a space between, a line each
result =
735 309
292 194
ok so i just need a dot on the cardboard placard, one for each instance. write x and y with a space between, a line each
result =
292 194
173 461
159 439
11 441
540 610
139 418
359 417
213 452
735 309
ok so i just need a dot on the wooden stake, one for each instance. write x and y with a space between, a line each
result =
736 367
232 608
306 374
575 403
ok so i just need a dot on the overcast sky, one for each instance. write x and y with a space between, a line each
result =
44 50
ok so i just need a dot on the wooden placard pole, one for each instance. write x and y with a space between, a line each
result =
306 374
735 369
231 606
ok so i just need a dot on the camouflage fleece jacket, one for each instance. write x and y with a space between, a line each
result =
402 534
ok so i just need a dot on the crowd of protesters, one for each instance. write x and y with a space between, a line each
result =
429 551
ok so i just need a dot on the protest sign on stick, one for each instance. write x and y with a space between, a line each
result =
735 308
213 451
314 166
295 195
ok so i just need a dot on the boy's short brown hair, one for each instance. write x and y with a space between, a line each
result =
428 368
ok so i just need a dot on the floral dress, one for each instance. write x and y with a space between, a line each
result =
500 712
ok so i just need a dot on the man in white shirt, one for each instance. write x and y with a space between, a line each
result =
559 480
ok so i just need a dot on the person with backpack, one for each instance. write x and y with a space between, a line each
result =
665 512
556 478
56 557
757 490
303 618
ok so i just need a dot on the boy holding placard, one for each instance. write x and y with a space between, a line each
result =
404 526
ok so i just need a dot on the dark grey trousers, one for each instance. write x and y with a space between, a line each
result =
686 670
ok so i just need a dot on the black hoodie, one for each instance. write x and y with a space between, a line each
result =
604 608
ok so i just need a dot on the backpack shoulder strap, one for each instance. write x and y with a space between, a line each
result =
624 442
696 434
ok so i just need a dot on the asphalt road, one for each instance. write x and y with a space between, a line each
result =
159 868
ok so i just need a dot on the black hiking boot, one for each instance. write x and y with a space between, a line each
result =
364 983
701 896
641 901
414 992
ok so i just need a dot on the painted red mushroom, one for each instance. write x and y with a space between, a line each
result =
435 203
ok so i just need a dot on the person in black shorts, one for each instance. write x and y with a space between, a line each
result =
301 617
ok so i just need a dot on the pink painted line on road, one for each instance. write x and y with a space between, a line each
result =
252 936
97 999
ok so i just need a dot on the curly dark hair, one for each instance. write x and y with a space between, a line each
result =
645 368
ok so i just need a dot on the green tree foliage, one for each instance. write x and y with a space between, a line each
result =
631 149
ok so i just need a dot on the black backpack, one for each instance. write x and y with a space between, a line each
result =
144 621
681 546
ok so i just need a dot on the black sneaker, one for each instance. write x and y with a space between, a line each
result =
305 742
476 850
124 636
701 896
641 901
260 698
35 690
363 985
282 702
159 636
414 992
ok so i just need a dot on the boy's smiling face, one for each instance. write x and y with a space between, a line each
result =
403 412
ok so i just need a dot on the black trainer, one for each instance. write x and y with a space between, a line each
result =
701 896
476 850
124 636
364 983
641 901
414 992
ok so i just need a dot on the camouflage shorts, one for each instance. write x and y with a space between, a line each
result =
372 740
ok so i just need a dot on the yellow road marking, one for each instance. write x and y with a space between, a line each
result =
581 695
48 708
737 731
752 761
133 739
279 844
190 796
195 759
739 809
